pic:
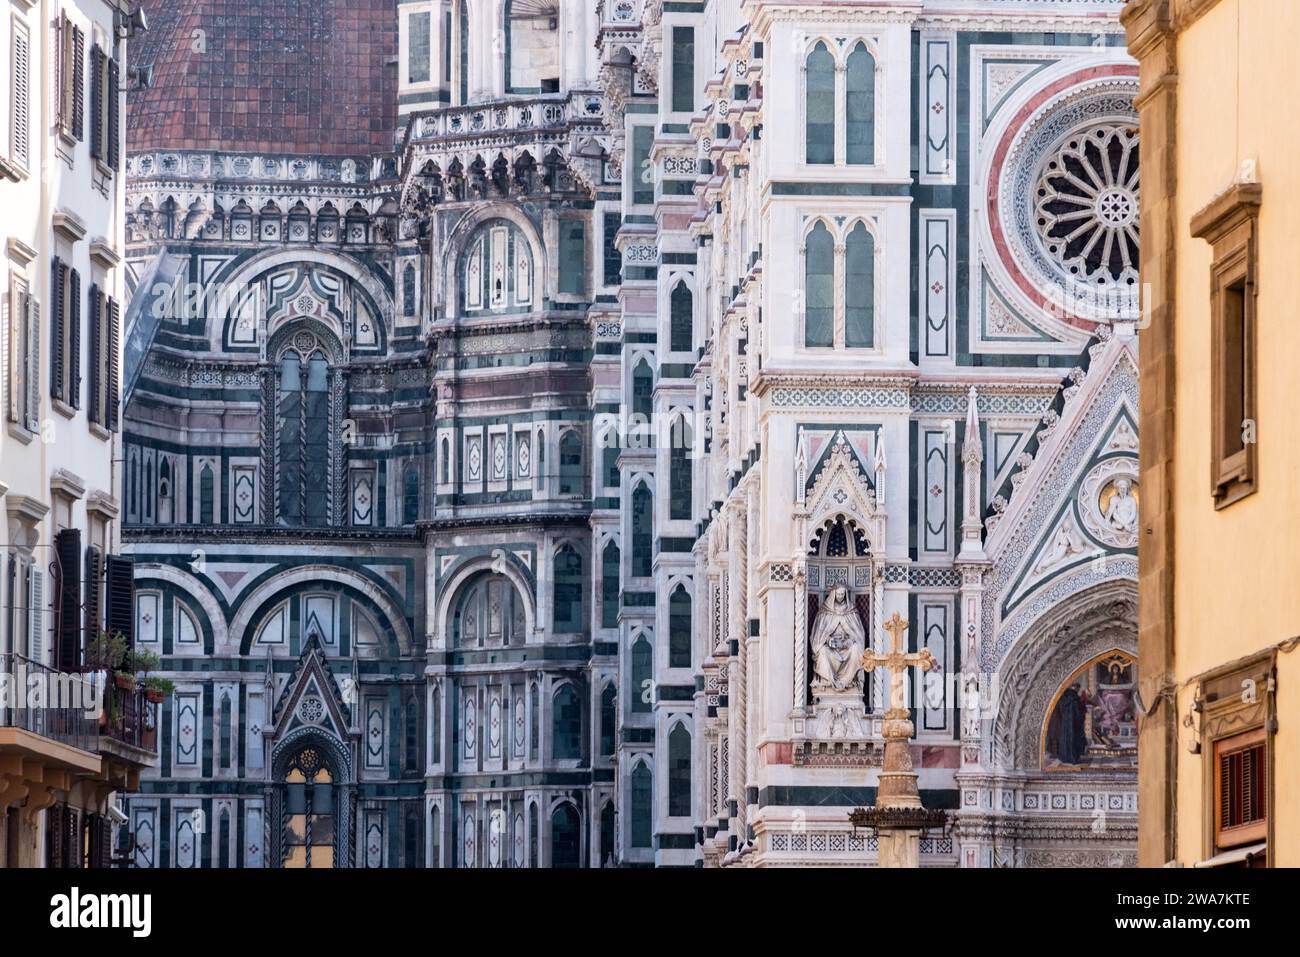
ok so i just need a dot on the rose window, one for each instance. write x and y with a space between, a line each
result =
1086 205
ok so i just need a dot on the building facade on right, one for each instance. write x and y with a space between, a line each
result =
1218 748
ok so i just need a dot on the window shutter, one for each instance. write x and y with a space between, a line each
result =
21 115
96 405
114 117
97 102
92 624
119 580
113 385
74 339
15 334
67 546
58 287
78 83
36 609
33 371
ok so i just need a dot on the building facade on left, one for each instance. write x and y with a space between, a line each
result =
73 737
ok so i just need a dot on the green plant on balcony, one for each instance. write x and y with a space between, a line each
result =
105 652
156 689
141 662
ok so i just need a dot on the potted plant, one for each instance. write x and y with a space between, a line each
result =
157 689
105 652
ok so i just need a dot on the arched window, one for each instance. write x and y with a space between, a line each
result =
610 456
541 460
642 676
680 471
642 805
860 106
609 585
679 772
497 269
408 289
532 836
226 733
681 334
223 839
207 495
819 288
411 497
309 812
302 438
642 532
566 725
819 139
607 843
643 391
490 612
859 288
571 463
534 723
435 727
679 628
435 837
411 837
567 591
608 719
444 463
566 837
412 736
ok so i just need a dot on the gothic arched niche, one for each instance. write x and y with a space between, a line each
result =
1085 628
497 270
1091 723
488 612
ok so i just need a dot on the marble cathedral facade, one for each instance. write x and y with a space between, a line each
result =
496 435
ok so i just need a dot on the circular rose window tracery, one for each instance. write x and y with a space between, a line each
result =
1086 205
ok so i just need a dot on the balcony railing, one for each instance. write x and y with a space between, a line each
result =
47 702
131 718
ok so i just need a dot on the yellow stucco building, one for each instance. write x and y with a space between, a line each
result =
1219 562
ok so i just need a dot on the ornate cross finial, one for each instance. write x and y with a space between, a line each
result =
898 660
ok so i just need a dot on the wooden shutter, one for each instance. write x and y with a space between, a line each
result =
74 340
33 370
92 624
21 112
119 581
78 83
97 102
36 611
16 335
95 407
58 306
113 385
114 117
67 546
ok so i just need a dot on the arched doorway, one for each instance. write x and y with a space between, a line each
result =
566 837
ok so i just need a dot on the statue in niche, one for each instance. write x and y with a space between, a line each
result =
1119 505
838 643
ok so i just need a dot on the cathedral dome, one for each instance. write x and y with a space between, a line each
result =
313 77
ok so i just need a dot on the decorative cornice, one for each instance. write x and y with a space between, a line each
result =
103 254
69 225
102 504
20 252
68 484
1228 210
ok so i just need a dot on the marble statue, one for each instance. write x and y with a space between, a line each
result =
838 643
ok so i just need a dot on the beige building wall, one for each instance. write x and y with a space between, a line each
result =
1234 568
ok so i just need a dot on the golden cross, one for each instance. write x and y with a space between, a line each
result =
898 660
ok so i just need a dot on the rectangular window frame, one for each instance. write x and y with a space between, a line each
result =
1230 224
1237 710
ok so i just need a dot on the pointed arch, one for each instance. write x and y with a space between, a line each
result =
819 286
819 106
860 106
